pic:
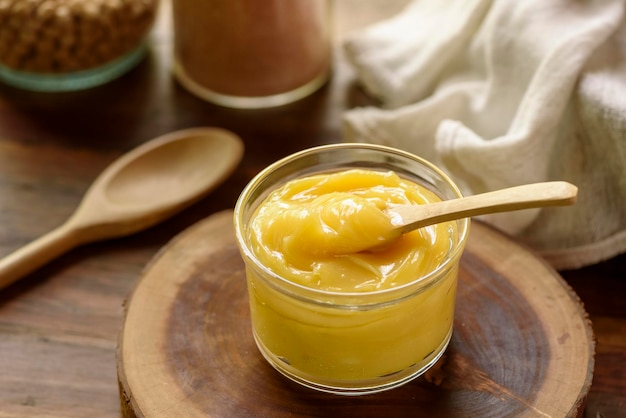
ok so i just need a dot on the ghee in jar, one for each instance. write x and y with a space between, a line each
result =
326 233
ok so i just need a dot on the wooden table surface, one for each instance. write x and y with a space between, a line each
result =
59 326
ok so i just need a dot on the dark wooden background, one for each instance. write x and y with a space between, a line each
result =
59 326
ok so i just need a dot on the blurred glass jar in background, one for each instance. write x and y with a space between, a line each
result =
61 45
252 53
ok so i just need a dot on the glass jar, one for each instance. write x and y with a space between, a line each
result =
252 53
350 343
64 45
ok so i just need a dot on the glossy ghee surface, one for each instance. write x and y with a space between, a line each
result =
312 232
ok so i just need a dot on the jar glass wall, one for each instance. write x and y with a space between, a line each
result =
252 53
342 342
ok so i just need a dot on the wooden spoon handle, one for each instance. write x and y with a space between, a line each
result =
556 193
35 254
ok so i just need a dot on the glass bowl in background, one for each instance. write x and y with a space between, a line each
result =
350 343
65 45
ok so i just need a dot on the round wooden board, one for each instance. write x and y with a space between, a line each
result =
522 343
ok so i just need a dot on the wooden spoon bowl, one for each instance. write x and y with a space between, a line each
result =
141 188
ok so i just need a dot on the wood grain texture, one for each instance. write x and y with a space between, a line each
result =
522 343
59 326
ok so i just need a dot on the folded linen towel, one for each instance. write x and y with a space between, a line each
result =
505 92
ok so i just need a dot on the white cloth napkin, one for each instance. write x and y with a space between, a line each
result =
505 92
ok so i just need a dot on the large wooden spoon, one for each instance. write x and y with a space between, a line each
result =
406 218
138 190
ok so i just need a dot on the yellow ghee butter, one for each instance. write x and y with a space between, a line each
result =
317 233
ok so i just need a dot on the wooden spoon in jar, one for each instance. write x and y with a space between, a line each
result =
143 187
406 218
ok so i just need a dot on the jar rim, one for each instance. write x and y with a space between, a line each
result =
251 187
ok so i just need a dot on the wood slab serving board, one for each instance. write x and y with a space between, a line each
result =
522 343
